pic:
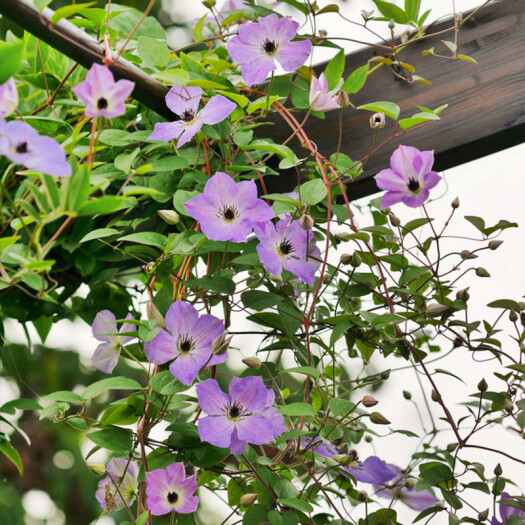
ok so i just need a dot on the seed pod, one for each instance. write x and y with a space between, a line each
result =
252 362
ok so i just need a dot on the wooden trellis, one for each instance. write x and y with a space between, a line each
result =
486 110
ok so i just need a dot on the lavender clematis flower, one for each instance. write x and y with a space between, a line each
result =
409 178
169 490
228 210
186 342
119 488
320 98
260 44
102 95
21 144
286 245
397 488
104 329
184 102
505 511
8 98
371 470
247 415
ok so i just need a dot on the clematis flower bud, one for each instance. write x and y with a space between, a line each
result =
323 33
154 314
345 258
248 499
369 401
97 468
513 316
498 471
378 419
8 98
434 396
306 222
220 345
481 272
436 309
343 100
508 405
407 395
483 386
169 216
463 295
394 220
252 362
483 515
385 374
467 254
377 121
356 260
455 203
362 495
343 459
494 245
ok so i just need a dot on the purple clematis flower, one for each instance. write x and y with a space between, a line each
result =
260 44
371 470
105 329
228 210
286 245
119 487
505 511
21 144
169 490
8 98
409 178
186 342
247 415
320 98
397 488
184 102
102 95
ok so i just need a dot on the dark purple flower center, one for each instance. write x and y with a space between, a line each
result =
188 115
229 213
269 47
234 411
102 103
286 247
413 184
185 344
21 148
354 459
173 497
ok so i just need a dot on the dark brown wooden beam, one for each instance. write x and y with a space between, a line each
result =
84 49
486 101
486 110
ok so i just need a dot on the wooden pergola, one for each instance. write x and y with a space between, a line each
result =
486 100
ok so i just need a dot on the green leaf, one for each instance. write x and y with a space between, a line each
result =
477 222
340 407
215 283
173 76
111 383
103 205
164 383
259 300
282 151
21 404
119 415
152 51
172 163
390 109
298 504
412 9
114 439
100 233
313 191
11 56
64 395
305 370
386 319
418 118
69 10
186 243
199 27
298 5
148 238
356 80
12 454
334 69
509 304
391 11
297 409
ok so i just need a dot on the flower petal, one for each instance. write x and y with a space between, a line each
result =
105 326
162 348
250 392
212 399
216 430
167 131
105 357
216 110
180 99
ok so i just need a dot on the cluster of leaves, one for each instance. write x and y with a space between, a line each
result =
104 230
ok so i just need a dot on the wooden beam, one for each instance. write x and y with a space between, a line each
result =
84 49
486 101
486 110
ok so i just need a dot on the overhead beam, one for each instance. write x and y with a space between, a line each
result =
486 110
